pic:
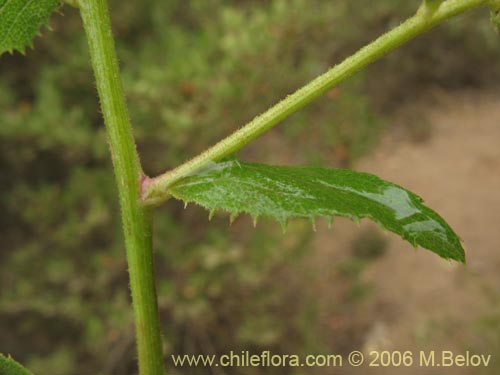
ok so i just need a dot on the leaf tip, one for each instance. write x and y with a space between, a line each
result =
255 218
414 243
461 258
284 224
329 221
356 220
232 217
312 219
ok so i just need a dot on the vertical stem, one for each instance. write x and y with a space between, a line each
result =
136 219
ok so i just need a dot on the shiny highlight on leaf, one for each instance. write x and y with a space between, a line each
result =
283 192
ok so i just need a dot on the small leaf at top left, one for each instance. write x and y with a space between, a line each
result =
21 21
10 367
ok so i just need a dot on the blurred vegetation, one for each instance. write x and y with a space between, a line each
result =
193 72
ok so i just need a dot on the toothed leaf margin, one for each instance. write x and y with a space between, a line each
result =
21 20
283 192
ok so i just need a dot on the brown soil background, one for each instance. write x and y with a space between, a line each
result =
419 301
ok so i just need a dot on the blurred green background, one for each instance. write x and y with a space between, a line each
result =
193 72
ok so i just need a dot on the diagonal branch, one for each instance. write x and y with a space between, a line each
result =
155 190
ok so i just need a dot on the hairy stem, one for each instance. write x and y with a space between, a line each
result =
155 190
136 218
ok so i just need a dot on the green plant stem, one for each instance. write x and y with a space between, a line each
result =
136 218
155 190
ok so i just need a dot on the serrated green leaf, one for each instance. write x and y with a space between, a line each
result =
309 192
21 20
10 367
